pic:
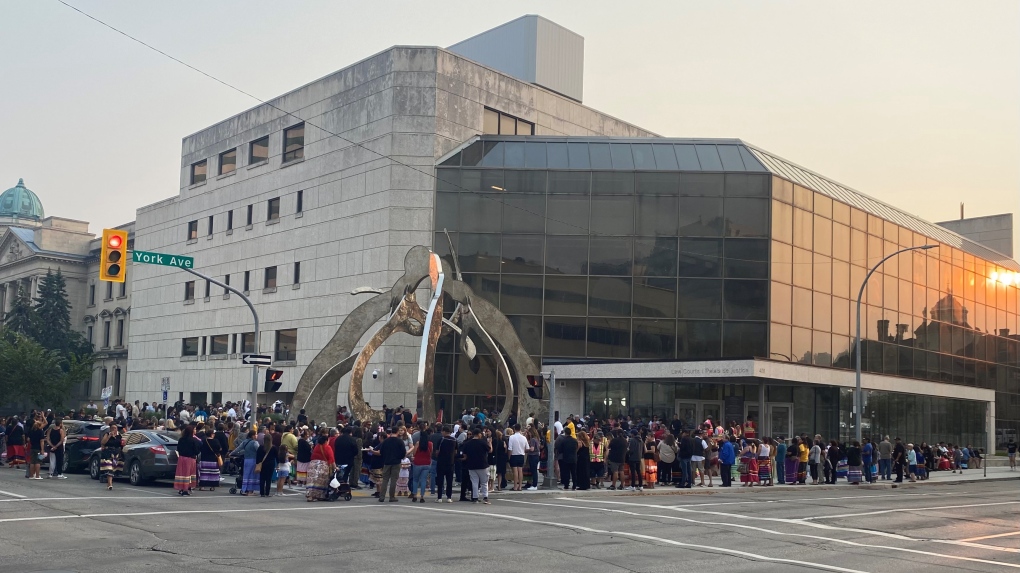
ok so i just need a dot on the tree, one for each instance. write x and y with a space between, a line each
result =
22 319
54 313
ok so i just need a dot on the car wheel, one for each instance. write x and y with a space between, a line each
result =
135 473
94 468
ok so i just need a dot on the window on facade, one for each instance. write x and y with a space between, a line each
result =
103 378
192 230
202 340
286 344
210 226
218 344
269 281
226 281
208 288
230 220
300 202
297 272
294 143
498 123
189 290
198 171
106 334
228 161
89 334
251 212
109 291
273 210
123 289
120 332
258 150
248 342
189 346
92 295
247 280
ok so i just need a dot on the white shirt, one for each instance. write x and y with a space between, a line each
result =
231 413
704 448
559 428
763 451
518 444
530 421
184 416
121 411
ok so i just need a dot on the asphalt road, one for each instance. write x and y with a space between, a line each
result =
76 525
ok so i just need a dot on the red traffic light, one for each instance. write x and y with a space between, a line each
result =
273 375
535 380
114 241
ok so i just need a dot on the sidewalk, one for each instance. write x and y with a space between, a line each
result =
937 478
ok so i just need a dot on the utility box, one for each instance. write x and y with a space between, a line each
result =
533 49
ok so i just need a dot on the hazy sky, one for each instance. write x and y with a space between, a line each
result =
915 103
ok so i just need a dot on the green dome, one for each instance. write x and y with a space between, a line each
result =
20 202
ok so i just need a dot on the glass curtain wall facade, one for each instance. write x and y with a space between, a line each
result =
606 249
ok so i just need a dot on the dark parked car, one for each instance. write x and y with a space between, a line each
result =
148 455
82 439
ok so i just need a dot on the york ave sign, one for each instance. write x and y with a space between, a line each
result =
163 259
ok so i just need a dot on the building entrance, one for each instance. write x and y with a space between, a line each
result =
693 412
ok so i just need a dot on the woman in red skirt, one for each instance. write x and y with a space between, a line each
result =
749 464
187 450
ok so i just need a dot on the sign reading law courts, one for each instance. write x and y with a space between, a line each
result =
163 259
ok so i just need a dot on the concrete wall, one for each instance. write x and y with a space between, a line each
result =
993 231
361 213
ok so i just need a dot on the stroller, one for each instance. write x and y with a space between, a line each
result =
339 486
236 465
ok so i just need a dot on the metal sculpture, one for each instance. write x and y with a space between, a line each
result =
474 320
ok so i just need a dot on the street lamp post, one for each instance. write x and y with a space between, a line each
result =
858 401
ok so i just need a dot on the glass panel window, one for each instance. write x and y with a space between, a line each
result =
841 213
525 127
566 295
665 158
802 307
286 344
701 184
297 272
747 217
578 154
643 158
198 171
612 183
699 298
294 143
781 303
612 215
823 206
622 158
822 312
479 252
600 156
492 154
655 256
571 182
779 342
248 342
522 253
803 227
608 338
524 214
745 339
480 212
609 296
611 256
567 254
228 161
655 297
803 198
564 336
490 121
658 183
841 242
273 209
654 338
556 155
701 217
189 290
740 185
258 150
699 339
485 286
507 125
700 258
802 268
189 346
514 154
823 235
782 262
192 230
520 295
218 344
745 300
535 155
782 190
657 215
747 258
270 278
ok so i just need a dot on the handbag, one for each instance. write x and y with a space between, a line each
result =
258 466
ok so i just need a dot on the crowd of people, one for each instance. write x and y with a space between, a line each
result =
403 457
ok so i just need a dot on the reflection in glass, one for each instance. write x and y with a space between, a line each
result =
747 258
701 217
523 213
573 182
701 184
657 215
529 330
665 158
524 181
658 183
612 183
609 296
566 295
779 342
699 298
609 337
643 158
822 349
745 339
655 297
480 212
535 154
740 185
485 286
568 214
557 156
654 338
822 312
699 339
492 154
610 256
700 258
612 215
514 154
478 252
656 256
447 211
745 300
782 262
782 222
471 382
521 295
622 158
600 156
567 254
578 153
564 336
781 303
747 217
522 253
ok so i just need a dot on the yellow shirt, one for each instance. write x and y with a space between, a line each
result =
803 453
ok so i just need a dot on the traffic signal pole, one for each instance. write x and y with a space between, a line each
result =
255 315
550 457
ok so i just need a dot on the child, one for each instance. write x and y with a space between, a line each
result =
283 470
404 477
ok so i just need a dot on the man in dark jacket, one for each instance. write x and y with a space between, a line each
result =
899 459
444 453
566 445
634 450
345 449
616 458
684 453
392 451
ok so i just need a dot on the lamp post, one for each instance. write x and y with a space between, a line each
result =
858 402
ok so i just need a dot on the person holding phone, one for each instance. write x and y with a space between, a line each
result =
55 437
110 458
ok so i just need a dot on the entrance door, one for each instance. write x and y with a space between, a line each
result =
781 419
712 410
687 412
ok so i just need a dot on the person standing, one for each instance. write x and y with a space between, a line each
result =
616 458
582 469
1011 448
518 446
854 460
267 462
392 451
320 470
345 448
698 459
187 452
634 450
685 453
111 460
475 456
566 448
866 456
667 458
815 460
899 460
832 456
36 435
885 454
55 438
445 454
727 457
534 456
248 448
420 464
780 459
804 455
211 460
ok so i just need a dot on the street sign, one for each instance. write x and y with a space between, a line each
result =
259 359
163 259
164 385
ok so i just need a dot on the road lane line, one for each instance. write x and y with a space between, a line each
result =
783 533
11 494
695 546
936 508
990 536
84 497
150 513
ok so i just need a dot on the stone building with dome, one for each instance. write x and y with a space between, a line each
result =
32 244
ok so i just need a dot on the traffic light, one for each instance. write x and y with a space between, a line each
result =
273 380
113 256
535 383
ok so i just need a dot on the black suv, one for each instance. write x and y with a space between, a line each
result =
82 439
